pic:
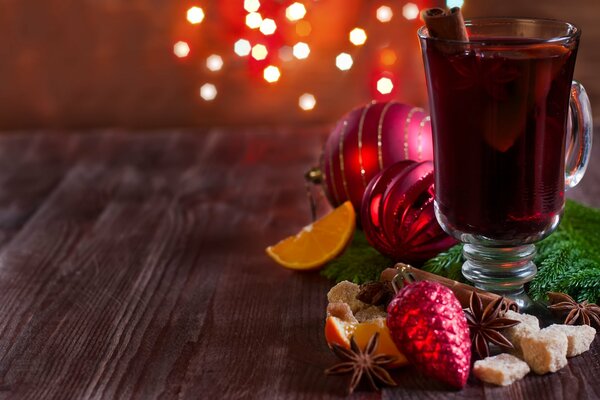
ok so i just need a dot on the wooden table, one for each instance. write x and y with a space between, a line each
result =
132 266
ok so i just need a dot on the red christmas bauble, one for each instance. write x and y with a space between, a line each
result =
427 322
366 141
398 214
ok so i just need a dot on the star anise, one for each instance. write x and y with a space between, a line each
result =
485 324
363 363
376 293
578 313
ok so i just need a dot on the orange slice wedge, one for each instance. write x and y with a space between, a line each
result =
365 330
317 243
338 331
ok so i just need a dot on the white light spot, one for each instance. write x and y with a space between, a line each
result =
384 14
195 15
259 52
181 49
301 50
357 36
410 11
344 61
454 3
268 26
253 20
307 102
251 5
208 91
271 74
214 62
385 85
295 12
242 47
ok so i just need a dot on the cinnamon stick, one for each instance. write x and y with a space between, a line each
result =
460 290
446 25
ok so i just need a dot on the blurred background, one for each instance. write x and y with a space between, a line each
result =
156 63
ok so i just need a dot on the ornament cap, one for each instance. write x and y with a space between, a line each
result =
403 277
314 175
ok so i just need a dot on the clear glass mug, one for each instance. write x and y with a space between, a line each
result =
511 133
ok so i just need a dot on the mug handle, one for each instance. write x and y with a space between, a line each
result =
579 136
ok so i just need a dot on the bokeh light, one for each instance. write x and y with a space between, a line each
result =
303 28
410 11
295 12
268 26
259 52
253 20
357 36
181 49
208 91
454 3
242 47
214 62
307 101
384 14
344 61
388 56
251 5
271 74
286 53
195 15
301 50
385 85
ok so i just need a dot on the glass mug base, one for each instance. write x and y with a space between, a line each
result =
502 270
499 266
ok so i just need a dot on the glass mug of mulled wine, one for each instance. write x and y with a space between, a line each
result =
511 132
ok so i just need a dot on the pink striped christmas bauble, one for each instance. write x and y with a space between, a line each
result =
366 141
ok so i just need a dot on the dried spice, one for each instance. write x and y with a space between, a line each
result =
577 313
376 293
485 324
363 363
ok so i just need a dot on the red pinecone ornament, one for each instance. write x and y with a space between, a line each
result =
427 322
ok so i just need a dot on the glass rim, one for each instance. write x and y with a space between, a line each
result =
574 31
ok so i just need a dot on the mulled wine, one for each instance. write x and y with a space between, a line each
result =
499 116
511 132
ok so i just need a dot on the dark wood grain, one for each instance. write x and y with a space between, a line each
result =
133 266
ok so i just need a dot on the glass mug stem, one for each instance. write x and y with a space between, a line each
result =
500 269
505 270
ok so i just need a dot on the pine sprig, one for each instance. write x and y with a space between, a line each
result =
448 263
585 283
360 263
555 262
568 260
